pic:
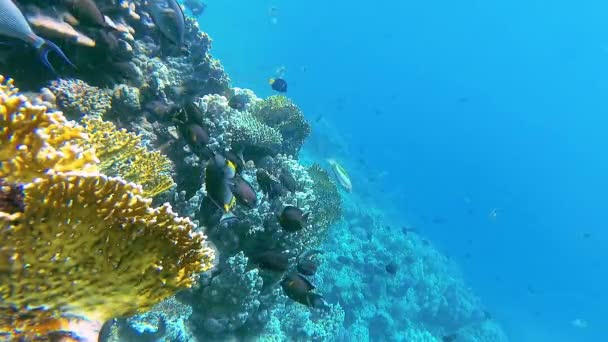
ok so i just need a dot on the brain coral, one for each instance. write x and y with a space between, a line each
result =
283 115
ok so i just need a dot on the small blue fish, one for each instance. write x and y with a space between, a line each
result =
14 25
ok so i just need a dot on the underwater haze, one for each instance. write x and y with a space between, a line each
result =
325 171
481 124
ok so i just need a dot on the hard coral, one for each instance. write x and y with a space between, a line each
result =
94 247
328 204
247 131
283 115
76 98
121 154
79 247
34 140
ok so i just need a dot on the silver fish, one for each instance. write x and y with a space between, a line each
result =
14 25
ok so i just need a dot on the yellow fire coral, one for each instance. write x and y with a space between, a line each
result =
34 141
121 154
78 246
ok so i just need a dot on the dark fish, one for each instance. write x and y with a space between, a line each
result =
268 185
218 174
292 219
278 84
300 289
86 11
196 136
449 338
169 17
586 235
392 268
265 163
195 114
14 25
287 180
307 267
238 101
236 158
272 260
244 192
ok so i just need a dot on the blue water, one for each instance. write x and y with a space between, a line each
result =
456 109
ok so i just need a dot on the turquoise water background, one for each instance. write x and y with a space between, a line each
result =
455 109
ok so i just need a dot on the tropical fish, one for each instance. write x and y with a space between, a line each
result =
272 260
392 268
196 136
292 218
14 25
305 265
86 11
341 175
278 84
268 185
169 17
299 289
287 180
266 163
218 175
244 192
236 158
238 101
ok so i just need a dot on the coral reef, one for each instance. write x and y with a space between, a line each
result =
93 248
328 203
121 154
34 140
76 98
283 115
249 132
227 302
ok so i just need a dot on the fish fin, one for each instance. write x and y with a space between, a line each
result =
43 52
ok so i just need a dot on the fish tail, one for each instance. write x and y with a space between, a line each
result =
228 218
43 51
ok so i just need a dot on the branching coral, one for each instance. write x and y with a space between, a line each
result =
78 245
34 141
328 204
283 115
76 98
121 154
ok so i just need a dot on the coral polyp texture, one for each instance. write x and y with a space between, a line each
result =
121 154
34 140
328 204
282 114
79 245
76 98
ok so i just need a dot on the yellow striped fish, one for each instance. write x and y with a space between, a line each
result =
341 175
